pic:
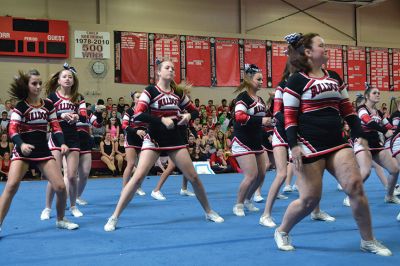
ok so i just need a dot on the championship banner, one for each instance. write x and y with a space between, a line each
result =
394 69
277 61
356 68
92 44
198 61
379 68
255 53
167 47
131 59
227 62
335 62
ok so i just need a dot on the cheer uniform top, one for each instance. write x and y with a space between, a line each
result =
395 140
247 125
64 105
83 128
131 125
29 125
373 124
313 111
267 132
160 104
279 137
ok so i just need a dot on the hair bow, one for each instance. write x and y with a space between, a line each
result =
70 68
293 38
251 69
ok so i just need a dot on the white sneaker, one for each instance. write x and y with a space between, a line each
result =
185 192
81 201
250 206
214 217
45 215
238 210
374 246
294 187
267 221
346 201
322 216
396 190
140 192
158 195
398 217
287 188
339 187
392 199
258 198
75 212
283 241
65 224
281 196
111 224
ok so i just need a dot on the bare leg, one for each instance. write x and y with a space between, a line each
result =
182 160
18 168
380 172
261 170
385 159
146 161
248 164
85 164
342 165
52 172
165 175
131 156
49 191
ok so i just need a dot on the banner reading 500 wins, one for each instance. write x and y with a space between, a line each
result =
92 44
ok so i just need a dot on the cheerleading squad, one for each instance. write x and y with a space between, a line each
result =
300 131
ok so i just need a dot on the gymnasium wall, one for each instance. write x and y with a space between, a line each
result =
376 26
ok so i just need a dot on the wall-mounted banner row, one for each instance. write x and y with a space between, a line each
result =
219 62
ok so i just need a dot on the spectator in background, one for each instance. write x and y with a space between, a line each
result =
211 140
4 121
214 117
121 105
203 117
210 123
116 115
8 107
223 106
2 107
205 153
113 128
98 132
109 104
89 109
108 152
114 109
99 105
203 132
208 107
5 144
120 153
5 166
197 103
219 164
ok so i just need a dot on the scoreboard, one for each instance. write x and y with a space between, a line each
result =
34 37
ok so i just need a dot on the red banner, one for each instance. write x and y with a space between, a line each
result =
356 68
379 68
227 62
255 53
198 65
396 69
167 47
134 60
279 59
335 62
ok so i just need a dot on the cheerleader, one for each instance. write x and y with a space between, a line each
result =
134 133
315 100
374 124
62 91
164 100
247 146
28 129
280 152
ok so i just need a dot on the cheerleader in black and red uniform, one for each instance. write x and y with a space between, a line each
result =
373 122
62 91
247 146
315 100
165 100
86 144
28 129
280 151
134 133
